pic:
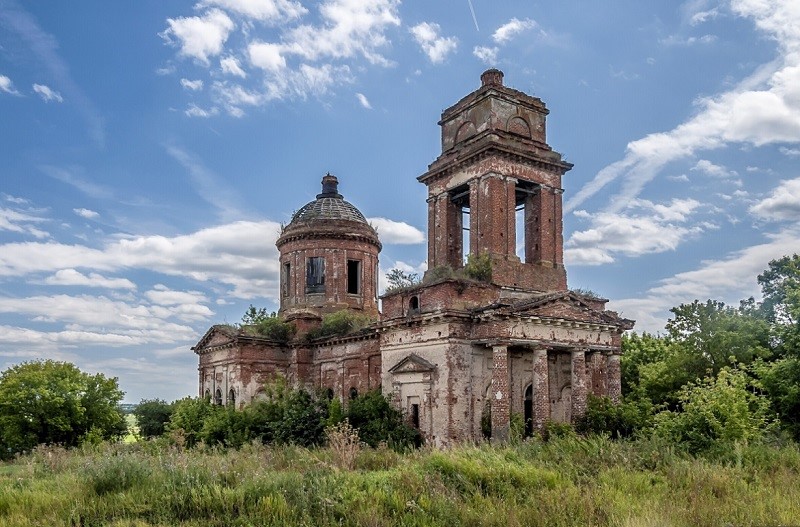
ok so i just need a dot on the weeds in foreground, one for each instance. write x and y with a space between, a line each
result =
564 481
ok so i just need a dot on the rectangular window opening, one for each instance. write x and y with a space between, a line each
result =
415 416
354 277
315 274
287 274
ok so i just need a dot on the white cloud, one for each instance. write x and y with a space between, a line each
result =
363 100
22 221
434 46
86 213
190 85
678 40
72 277
231 66
397 232
762 109
683 178
195 111
199 37
513 28
790 152
267 56
272 11
646 228
47 94
728 279
164 296
486 54
241 255
782 205
7 86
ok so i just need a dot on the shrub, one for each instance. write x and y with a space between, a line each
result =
189 416
479 267
288 416
378 421
617 420
553 429
276 329
715 413
440 273
225 426
339 324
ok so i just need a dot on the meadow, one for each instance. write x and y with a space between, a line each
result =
562 482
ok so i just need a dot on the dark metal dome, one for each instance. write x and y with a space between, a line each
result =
329 205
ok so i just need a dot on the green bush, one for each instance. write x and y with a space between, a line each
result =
339 324
288 416
189 416
479 267
276 329
226 426
378 422
617 420
716 413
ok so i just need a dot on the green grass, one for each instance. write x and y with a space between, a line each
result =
563 482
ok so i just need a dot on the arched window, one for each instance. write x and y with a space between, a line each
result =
413 305
353 393
329 394
528 410
207 395
218 397
232 398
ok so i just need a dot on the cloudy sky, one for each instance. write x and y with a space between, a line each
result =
151 150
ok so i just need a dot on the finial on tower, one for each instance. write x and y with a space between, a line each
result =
330 187
492 77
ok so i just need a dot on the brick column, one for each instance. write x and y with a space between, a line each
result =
614 381
541 389
501 414
578 403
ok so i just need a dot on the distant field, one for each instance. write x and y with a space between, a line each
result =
565 482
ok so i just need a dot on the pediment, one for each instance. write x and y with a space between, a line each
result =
566 306
217 336
412 364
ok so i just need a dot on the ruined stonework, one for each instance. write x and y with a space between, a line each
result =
458 356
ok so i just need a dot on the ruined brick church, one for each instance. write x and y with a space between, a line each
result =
450 350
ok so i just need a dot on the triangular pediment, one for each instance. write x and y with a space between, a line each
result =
412 364
217 336
566 306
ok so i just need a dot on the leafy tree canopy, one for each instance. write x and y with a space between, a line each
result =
49 402
152 417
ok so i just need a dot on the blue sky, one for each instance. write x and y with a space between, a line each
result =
150 151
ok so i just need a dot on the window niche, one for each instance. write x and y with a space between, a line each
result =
287 278
354 277
315 274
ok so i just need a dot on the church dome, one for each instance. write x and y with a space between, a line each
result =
329 205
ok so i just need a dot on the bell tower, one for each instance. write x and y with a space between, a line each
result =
495 170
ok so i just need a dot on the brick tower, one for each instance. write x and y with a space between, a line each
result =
495 168
328 259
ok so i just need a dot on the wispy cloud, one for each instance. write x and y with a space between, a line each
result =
7 86
390 231
762 109
47 94
44 47
207 184
362 99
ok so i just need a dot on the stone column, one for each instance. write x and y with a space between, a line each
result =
501 411
578 403
541 389
614 382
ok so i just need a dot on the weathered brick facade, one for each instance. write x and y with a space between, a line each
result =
450 349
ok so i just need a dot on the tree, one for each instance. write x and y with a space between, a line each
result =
49 402
398 279
780 284
253 316
378 421
152 417
720 335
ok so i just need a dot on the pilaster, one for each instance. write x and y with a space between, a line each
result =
501 415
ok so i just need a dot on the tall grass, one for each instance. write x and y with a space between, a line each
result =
566 481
